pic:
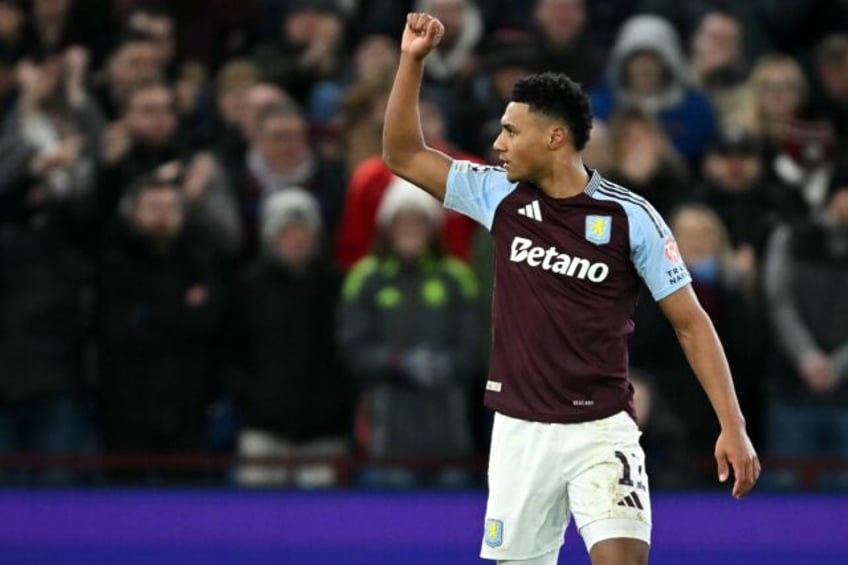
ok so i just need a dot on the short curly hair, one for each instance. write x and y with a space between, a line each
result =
557 96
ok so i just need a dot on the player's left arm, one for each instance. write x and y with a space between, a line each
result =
706 356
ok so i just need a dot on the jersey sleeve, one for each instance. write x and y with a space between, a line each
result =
476 190
655 255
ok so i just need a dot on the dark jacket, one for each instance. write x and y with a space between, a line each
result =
805 280
390 311
159 314
288 379
740 326
45 291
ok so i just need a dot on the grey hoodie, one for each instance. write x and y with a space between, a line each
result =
654 34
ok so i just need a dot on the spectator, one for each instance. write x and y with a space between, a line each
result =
805 281
12 22
765 23
509 55
293 398
363 106
724 289
408 335
560 28
210 206
257 98
308 48
46 290
736 187
158 24
144 138
187 76
133 61
209 32
719 67
159 314
664 436
374 60
221 131
281 157
51 136
831 73
780 90
147 139
643 160
798 150
368 185
233 147
647 70
453 60
51 28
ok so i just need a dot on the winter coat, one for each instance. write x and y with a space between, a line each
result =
288 378
392 312
159 315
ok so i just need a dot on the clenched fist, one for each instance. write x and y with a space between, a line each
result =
421 35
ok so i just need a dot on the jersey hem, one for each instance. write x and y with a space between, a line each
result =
553 419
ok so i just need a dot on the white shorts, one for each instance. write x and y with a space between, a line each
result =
540 474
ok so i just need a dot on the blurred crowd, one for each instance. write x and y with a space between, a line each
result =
202 250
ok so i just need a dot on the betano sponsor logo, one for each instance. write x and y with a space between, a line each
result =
551 259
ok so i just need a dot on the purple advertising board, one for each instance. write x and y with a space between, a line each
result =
411 528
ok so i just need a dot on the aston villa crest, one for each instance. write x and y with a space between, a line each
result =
598 229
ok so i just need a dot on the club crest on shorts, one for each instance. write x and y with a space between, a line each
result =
598 229
494 533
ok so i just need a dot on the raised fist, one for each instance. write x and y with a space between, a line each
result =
421 35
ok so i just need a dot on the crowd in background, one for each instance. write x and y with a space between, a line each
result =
202 250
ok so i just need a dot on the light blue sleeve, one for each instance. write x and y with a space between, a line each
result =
653 250
476 190
654 253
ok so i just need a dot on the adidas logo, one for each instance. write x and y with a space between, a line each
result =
631 500
532 210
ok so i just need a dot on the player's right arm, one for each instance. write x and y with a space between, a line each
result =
404 150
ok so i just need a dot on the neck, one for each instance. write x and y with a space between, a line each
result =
565 179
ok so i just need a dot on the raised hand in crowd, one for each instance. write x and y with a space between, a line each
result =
198 174
76 61
321 33
116 142
37 83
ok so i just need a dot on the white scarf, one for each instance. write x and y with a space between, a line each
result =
271 182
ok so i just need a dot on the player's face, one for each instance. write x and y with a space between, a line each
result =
521 145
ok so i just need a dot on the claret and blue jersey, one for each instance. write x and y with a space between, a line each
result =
568 273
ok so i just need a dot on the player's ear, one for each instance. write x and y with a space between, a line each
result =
557 137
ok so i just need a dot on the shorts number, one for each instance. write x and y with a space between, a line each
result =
625 474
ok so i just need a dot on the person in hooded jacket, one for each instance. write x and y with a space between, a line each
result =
292 395
647 70
408 334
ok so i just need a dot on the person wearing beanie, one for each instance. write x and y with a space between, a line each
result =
369 182
806 274
292 396
407 331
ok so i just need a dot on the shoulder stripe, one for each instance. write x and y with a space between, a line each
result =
616 196
623 191
612 187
